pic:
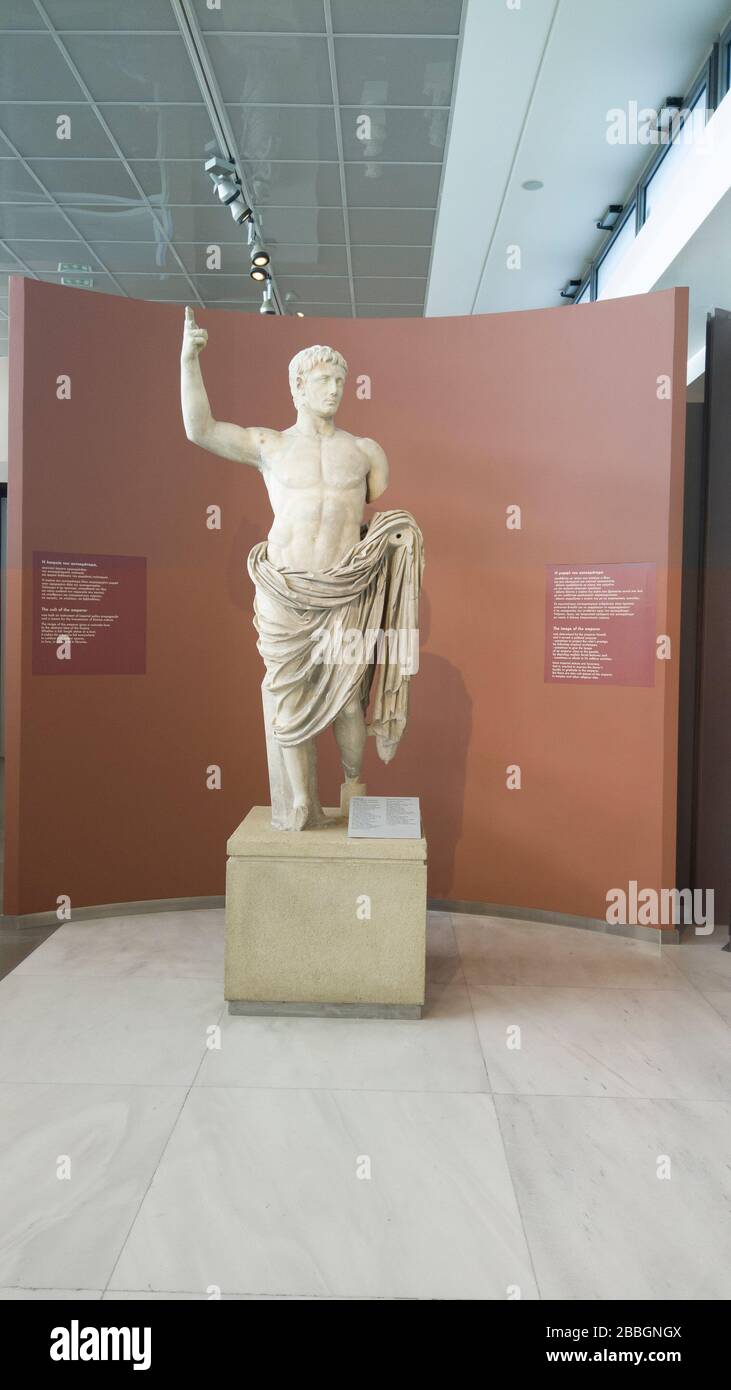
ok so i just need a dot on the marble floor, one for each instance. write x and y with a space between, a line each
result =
558 1125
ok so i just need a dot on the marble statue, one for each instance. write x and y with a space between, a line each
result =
336 601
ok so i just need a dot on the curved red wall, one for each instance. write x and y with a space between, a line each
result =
556 410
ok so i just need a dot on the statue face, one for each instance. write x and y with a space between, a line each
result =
322 389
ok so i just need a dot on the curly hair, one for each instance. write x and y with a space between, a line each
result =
308 358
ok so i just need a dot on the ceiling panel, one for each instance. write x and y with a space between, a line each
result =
148 131
392 185
392 227
270 68
108 14
42 221
16 185
403 17
295 16
393 71
34 130
133 67
390 260
396 289
284 132
18 14
339 134
32 69
394 134
44 257
85 180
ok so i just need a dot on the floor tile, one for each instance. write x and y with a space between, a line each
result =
600 1223
67 1029
597 1042
170 945
66 1233
439 1052
502 951
273 1203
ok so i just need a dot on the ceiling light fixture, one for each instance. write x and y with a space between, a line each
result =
259 272
532 185
267 306
259 256
608 219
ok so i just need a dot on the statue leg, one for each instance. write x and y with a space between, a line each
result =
350 735
298 762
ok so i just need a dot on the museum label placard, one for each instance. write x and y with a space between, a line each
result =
600 624
89 614
384 818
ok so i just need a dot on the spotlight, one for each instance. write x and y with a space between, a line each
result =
239 210
608 219
299 314
225 180
258 272
267 306
259 256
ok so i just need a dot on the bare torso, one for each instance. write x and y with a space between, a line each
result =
317 488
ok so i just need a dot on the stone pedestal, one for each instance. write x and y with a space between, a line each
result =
320 924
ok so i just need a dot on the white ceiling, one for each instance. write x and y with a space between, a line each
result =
534 88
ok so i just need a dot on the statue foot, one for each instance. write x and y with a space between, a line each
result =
351 787
300 813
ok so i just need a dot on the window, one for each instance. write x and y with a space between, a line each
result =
616 251
690 132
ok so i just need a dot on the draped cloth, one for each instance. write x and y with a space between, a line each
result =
319 633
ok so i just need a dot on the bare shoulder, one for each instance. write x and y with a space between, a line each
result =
377 468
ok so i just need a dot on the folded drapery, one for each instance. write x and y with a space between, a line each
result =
328 636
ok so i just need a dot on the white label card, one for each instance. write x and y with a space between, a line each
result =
384 818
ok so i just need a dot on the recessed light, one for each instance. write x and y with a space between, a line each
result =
532 185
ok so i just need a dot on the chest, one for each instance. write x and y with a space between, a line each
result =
335 463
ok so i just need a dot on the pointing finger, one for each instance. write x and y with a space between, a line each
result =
189 315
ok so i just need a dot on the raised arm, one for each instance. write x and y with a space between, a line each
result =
378 471
230 441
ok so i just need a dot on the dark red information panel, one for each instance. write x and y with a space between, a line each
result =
89 614
600 624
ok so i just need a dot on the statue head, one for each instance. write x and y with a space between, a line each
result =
316 380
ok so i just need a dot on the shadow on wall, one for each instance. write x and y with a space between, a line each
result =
431 762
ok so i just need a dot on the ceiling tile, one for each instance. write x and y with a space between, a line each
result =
391 260
45 257
405 17
271 132
16 185
235 258
34 70
18 14
101 14
34 130
172 287
300 16
392 185
86 180
102 283
146 256
232 305
134 67
395 71
42 221
309 260
227 287
271 69
393 290
293 185
325 310
391 227
8 260
161 132
389 311
302 225
332 289
125 223
399 136
172 181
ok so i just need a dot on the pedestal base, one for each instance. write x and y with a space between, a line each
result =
320 924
